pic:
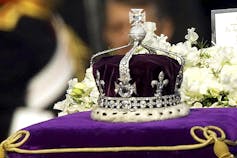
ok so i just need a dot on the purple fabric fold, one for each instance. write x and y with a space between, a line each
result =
143 69
79 130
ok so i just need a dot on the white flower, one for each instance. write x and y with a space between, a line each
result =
150 27
191 54
232 98
71 84
150 37
94 95
194 80
81 96
192 36
64 105
219 57
89 78
153 40
228 77
198 82
197 105
192 59
183 48
233 60
162 43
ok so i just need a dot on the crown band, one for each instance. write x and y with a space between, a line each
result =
134 103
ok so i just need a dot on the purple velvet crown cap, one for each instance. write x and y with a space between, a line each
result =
143 69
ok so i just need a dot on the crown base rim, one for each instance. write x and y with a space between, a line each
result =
139 115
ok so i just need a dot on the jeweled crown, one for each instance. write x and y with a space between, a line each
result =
138 87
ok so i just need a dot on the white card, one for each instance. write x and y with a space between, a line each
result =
224 27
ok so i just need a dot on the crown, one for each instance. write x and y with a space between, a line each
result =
138 87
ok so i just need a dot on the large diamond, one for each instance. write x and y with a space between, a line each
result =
137 16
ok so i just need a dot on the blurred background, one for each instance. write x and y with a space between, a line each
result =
183 14
45 43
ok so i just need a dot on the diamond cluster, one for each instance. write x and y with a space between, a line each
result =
133 103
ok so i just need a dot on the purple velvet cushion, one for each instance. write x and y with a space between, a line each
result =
79 130
143 69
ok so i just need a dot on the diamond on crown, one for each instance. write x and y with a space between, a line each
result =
131 103
137 16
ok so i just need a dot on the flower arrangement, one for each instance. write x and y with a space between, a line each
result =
81 96
210 75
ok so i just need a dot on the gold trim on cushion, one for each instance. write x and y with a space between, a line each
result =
210 133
